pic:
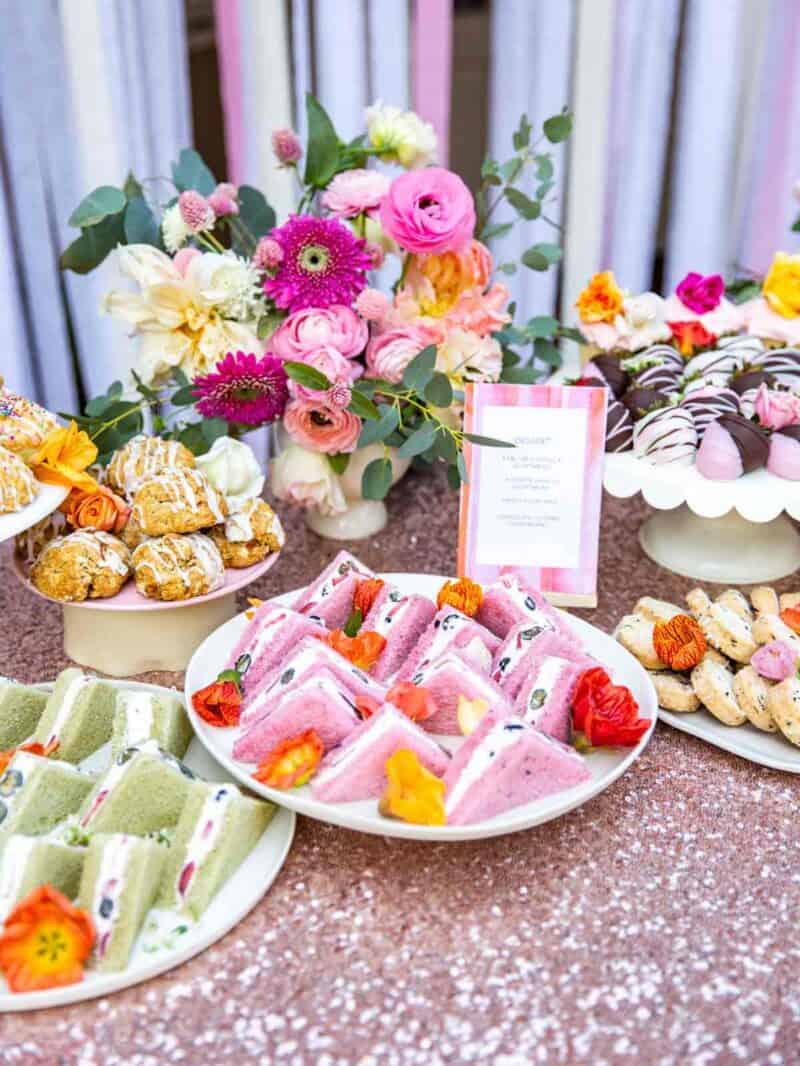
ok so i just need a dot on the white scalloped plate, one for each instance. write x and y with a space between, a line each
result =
605 765
47 500
758 497
766 749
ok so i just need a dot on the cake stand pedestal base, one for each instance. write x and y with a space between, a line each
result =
123 643
728 550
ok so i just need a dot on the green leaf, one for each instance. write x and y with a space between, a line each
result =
571 334
511 335
192 437
522 135
542 326
741 289
453 477
267 324
499 229
380 430
323 145
510 358
178 376
488 442
461 463
557 128
547 352
339 462
509 171
141 225
97 405
508 268
541 256
544 189
130 422
544 168
420 440
446 447
132 188
420 370
99 204
115 388
212 428
523 205
353 623
439 391
254 211
93 245
521 375
184 396
488 167
376 479
191 172
307 376
796 225
362 406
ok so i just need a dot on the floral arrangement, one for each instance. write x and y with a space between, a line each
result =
242 322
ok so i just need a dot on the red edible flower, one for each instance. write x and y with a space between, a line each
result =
692 336
606 714
220 703
367 591
415 701
791 617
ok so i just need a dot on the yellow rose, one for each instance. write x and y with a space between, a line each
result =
601 300
63 458
782 285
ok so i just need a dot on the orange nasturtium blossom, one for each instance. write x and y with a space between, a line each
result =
363 651
99 509
63 458
367 591
220 703
292 763
465 595
412 794
45 942
601 300
34 748
790 616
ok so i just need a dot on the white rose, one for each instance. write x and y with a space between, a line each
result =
401 135
174 230
306 478
465 355
225 280
233 470
642 322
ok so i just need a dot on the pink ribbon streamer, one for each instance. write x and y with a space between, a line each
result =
432 51
227 19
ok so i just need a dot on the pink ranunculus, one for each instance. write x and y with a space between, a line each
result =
389 353
429 211
701 294
356 192
373 305
320 427
776 409
480 312
775 661
313 327
480 259
330 362
183 258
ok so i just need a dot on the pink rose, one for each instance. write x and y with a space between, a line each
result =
389 353
429 211
776 409
701 294
330 362
321 428
313 327
356 192
775 661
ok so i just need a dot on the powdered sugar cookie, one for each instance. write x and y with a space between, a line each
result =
698 602
728 632
789 599
715 656
765 600
656 610
635 634
736 602
713 685
783 701
675 692
769 627
751 691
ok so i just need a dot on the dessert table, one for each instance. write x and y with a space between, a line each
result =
654 925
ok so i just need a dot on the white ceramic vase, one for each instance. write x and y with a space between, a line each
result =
362 518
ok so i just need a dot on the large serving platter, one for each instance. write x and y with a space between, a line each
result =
235 900
766 749
48 498
605 766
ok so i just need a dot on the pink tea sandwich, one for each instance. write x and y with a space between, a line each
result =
513 658
545 697
329 599
452 631
509 601
449 677
319 703
401 619
504 764
356 769
270 634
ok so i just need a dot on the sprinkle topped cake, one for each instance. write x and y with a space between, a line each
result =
18 487
23 424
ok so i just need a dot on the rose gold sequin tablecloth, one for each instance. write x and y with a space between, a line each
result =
658 925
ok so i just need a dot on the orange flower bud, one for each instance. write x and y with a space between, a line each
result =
465 595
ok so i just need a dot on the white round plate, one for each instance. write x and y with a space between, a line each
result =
766 749
47 500
605 766
234 901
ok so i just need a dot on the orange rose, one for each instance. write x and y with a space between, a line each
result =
601 300
64 457
45 942
363 651
465 595
100 509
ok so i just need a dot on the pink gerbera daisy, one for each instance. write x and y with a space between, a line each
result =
244 389
323 264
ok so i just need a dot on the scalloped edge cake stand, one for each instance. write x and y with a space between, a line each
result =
129 634
727 532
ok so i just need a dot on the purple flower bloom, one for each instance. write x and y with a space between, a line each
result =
323 264
244 389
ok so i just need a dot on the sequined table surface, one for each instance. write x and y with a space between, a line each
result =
657 926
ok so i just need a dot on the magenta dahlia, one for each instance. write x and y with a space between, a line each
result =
243 389
323 264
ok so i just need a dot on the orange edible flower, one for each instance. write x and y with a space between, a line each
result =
34 748
413 794
465 595
691 336
415 701
63 458
220 703
601 300
367 706
363 651
45 942
99 509
791 617
292 763
680 642
366 593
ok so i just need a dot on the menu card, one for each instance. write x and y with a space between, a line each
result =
535 507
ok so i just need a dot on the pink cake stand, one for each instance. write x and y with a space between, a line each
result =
130 634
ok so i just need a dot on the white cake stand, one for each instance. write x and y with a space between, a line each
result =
48 498
730 532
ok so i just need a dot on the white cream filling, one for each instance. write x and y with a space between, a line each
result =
542 686
109 885
71 694
204 836
16 854
138 709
